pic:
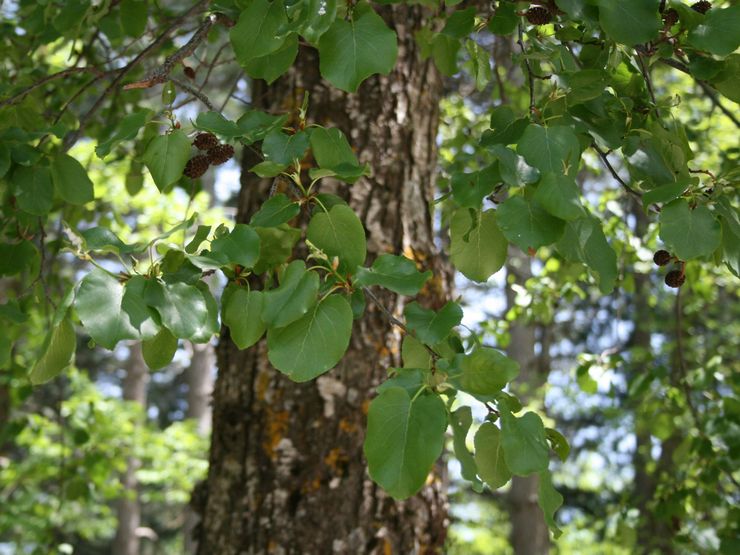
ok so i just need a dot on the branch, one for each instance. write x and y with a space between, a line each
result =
195 92
614 173
648 81
530 77
705 87
59 75
72 136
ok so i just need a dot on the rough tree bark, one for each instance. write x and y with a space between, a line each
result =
127 538
529 533
287 473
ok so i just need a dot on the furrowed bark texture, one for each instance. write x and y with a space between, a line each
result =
529 533
287 472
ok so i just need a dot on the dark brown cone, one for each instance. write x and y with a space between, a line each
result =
196 166
670 17
189 71
674 278
702 7
538 15
205 141
661 258
220 154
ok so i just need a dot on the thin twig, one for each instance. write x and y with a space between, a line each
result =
58 75
614 173
530 76
195 92
71 137
648 81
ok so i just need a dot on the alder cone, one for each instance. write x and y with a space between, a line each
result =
675 278
670 17
205 141
702 7
538 15
220 154
196 166
661 257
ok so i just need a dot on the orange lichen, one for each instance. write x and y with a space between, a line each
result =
347 426
365 406
387 547
336 459
277 425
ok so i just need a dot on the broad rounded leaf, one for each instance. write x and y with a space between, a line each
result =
404 439
183 308
240 246
71 180
242 313
351 51
429 326
274 64
34 190
332 152
159 351
689 233
293 298
256 31
460 422
165 158
126 130
584 241
549 500
314 344
58 353
550 149
396 273
506 128
526 224
276 210
489 456
339 232
630 21
486 371
719 32
559 195
524 443
477 249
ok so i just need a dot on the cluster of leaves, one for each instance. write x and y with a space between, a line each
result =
596 58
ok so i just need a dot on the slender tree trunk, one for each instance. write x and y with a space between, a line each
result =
126 541
529 533
287 474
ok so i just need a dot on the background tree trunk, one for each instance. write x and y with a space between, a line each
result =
287 473
126 541
529 533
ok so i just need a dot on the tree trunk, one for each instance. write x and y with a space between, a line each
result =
529 533
126 541
287 473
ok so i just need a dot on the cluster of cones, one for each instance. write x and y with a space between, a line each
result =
216 154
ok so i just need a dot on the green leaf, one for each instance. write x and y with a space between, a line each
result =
274 64
351 51
165 158
339 232
489 456
469 189
523 440
256 32
726 81
504 20
34 191
410 379
460 23
71 180
444 53
689 233
332 151
295 296
486 371
397 273
630 21
58 352
477 248
216 123
506 128
558 443
134 17
718 33
550 149
559 195
414 354
16 257
240 246
549 501
159 351
404 439
665 193
276 245
314 344
4 159
276 210
126 130
281 148
104 240
103 312
201 234
513 168
242 313
584 241
526 224
460 422
183 308
432 327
